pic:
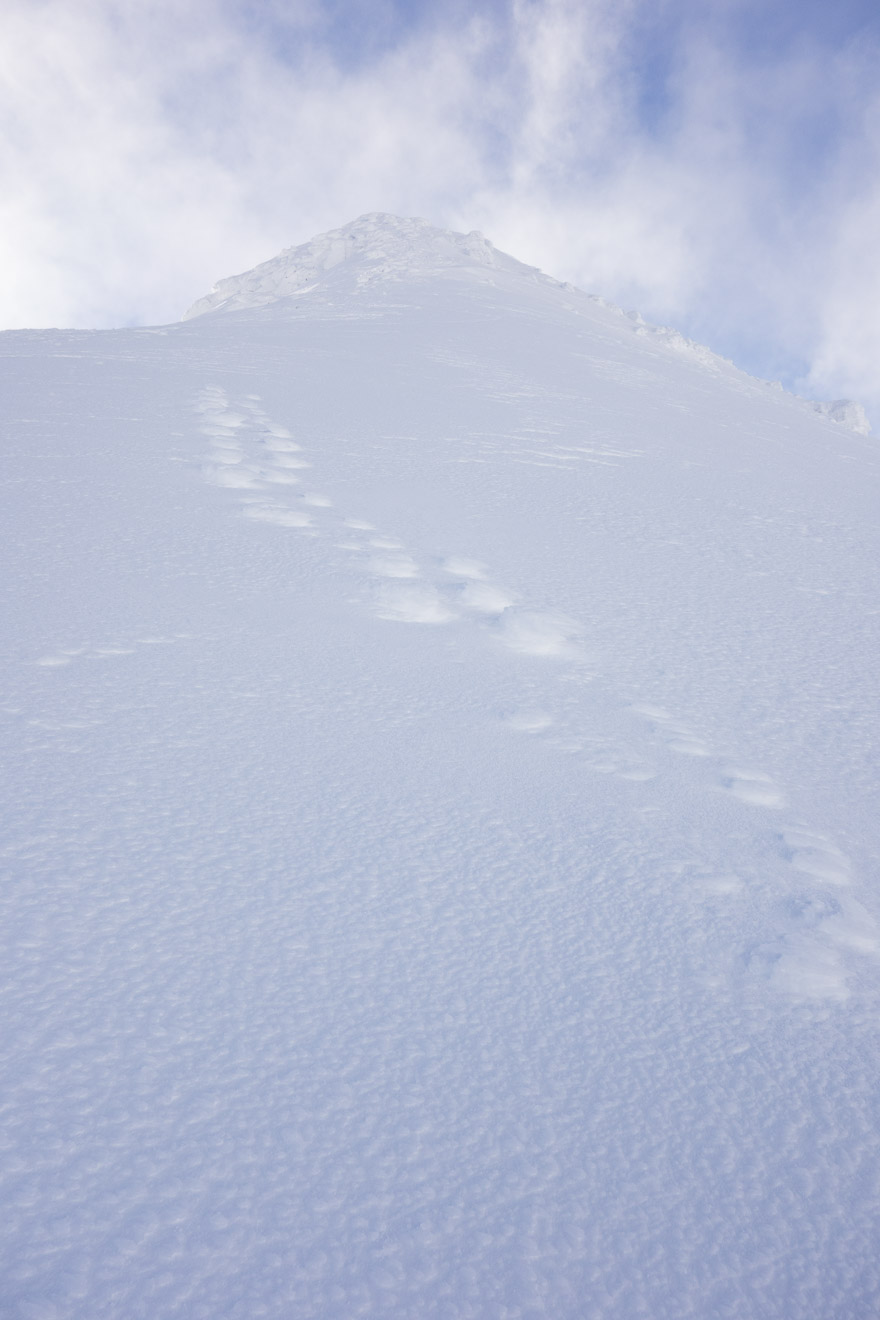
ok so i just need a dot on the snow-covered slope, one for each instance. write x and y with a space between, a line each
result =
440 811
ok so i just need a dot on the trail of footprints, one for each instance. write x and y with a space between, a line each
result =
817 923
67 655
252 454
819 920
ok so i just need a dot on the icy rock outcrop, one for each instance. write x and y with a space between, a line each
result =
375 246
675 340
846 413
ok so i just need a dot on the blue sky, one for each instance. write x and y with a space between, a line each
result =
713 163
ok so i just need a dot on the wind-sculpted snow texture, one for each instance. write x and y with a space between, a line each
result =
440 817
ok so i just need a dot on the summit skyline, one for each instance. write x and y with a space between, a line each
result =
712 167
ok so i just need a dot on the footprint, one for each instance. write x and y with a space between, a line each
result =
288 462
484 598
725 885
67 654
528 720
801 969
219 434
679 736
397 566
420 604
846 923
804 961
539 634
234 478
221 421
277 514
463 568
753 787
654 713
281 447
568 744
227 456
276 476
687 744
813 854
619 761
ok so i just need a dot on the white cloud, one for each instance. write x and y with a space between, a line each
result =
845 357
144 154
150 148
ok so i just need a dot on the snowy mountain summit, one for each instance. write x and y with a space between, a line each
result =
373 248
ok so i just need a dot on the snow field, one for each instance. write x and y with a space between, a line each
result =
440 818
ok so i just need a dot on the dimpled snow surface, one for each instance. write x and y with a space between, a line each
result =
440 824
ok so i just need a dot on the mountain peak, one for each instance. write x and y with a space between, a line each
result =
376 246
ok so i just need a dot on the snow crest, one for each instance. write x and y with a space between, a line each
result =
375 247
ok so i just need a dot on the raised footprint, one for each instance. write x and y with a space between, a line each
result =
814 854
752 787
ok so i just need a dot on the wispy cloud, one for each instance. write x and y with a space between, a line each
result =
715 172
